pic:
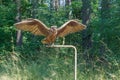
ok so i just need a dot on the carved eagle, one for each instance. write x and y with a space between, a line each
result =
37 27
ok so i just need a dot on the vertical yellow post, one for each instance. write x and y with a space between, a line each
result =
75 58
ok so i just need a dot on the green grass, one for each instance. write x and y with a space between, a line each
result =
53 66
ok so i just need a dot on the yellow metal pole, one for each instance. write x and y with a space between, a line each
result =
75 58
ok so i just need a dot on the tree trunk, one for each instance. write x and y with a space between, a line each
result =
51 5
69 13
54 5
18 19
34 8
68 2
62 3
86 36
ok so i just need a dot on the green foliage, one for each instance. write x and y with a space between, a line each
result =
7 15
6 38
7 19
53 66
76 9
107 29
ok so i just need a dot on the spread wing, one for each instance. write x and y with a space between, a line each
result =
34 26
70 27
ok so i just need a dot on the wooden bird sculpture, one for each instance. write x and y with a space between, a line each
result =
37 27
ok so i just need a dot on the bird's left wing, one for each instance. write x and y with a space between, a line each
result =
70 27
34 26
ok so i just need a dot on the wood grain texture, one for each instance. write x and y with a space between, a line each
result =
71 26
36 27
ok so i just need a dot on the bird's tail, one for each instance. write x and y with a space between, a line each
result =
44 41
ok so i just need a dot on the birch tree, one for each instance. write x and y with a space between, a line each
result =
86 36
18 19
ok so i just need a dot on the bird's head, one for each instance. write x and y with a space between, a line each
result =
53 27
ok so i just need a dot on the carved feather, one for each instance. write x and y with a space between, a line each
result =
71 26
34 26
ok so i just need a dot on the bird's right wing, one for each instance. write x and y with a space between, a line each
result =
34 26
71 26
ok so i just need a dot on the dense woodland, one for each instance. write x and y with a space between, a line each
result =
24 57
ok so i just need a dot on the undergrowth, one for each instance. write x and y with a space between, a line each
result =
55 64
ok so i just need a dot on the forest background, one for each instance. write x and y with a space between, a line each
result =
24 57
